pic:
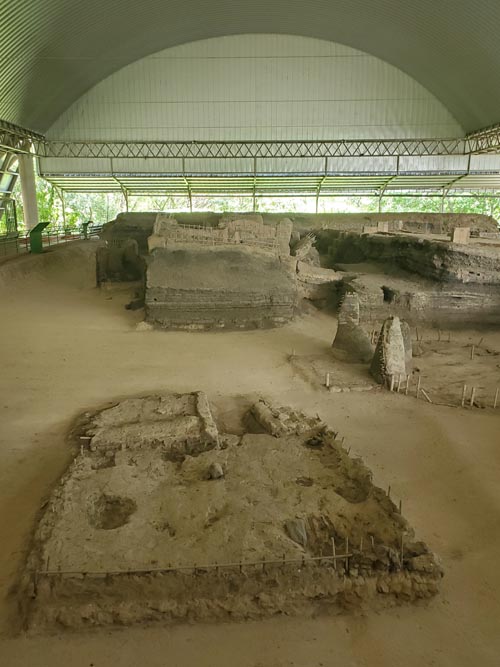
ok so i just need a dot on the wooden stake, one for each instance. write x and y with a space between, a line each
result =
392 382
407 385
389 491
400 506
399 382
402 548
373 541
472 350
327 381
495 402
346 554
464 392
418 386
472 396
416 331
334 554
426 395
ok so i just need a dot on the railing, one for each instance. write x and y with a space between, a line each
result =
214 236
237 567
339 562
16 244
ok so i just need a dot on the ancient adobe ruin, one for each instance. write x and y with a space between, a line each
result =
234 275
162 517
240 270
434 281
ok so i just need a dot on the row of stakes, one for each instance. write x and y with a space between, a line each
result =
196 568
394 385
465 400
334 557
397 385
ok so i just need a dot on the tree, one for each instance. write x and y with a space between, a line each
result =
102 207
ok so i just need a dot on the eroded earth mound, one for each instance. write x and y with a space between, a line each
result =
160 517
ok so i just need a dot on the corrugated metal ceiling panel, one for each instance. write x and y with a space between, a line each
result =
52 51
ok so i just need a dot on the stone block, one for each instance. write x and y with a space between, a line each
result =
461 235
392 357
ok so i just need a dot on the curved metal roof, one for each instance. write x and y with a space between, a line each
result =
52 51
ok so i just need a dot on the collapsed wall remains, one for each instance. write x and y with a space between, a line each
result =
161 517
437 282
236 275
392 359
140 225
350 337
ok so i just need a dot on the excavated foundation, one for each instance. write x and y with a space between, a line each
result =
161 518
423 280
218 288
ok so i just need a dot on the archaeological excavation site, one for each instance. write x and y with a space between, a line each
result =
162 517
168 511
250 333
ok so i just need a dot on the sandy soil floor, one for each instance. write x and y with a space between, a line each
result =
64 349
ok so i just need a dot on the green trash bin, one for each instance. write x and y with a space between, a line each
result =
36 244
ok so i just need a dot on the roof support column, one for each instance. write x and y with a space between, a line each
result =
443 198
380 195
28 189
254 193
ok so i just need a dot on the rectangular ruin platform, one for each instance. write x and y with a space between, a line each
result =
160 517
204 288
233 276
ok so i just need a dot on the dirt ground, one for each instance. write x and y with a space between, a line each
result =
65 349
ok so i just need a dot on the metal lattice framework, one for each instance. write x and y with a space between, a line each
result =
18 140
253 149
260 184
486 140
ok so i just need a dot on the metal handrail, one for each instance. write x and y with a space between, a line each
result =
51 236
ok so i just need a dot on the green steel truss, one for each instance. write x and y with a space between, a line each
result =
15 140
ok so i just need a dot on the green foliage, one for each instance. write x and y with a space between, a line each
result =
465 204
102 207
45 197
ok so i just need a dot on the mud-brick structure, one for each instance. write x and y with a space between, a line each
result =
350 337
393 355
236 275
162 516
